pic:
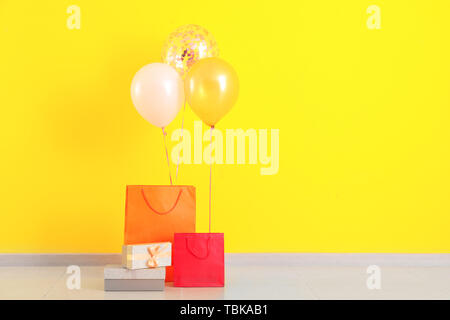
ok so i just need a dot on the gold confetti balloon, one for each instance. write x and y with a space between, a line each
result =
186 45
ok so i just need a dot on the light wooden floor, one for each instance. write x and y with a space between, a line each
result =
242 282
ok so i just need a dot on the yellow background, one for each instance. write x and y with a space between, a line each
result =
363 118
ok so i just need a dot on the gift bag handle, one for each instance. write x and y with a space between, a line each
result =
161 212
195 255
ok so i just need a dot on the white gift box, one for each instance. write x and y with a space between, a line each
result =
148 255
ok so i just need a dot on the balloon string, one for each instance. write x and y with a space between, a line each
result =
210 174
167 154
182 125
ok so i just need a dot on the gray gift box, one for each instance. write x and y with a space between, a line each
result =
118 278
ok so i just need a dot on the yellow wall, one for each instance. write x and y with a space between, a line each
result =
363 118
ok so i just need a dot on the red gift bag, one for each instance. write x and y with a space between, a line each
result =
198 260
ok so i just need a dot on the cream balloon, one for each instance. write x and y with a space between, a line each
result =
157 92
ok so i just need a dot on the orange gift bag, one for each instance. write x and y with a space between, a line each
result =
156 213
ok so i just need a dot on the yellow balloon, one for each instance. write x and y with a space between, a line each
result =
211 89
187 45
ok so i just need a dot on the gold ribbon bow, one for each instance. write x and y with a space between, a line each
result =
155 253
